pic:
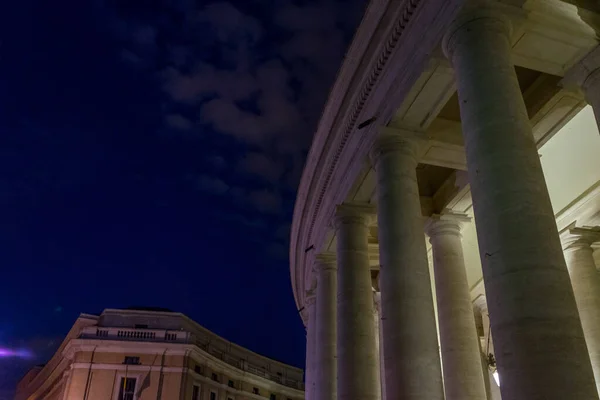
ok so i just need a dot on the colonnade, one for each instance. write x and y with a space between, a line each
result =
542 313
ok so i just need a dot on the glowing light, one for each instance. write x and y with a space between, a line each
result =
496 378
5 353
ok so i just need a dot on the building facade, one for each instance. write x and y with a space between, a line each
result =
142 354
443 238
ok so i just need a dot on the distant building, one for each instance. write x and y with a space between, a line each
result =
146 354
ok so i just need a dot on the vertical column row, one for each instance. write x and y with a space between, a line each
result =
528 287
538 337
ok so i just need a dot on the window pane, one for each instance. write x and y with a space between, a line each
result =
127 389
195 392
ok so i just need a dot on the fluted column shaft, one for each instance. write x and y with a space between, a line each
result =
586 286
356 352
410 345
537 334
311 326
325 360
461 356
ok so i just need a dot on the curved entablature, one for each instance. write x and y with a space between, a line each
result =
377 88
359 101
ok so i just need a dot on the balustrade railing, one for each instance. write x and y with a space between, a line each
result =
134 334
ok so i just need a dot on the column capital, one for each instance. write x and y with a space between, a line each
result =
584 75
392 139
577 238
446 224
324 262
354 213
479 12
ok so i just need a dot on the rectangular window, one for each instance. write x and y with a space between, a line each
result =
230 384
196 392
131 360
215 377
255 390
127 389
198 369
273 396
213 396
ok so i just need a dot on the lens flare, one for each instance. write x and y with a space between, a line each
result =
20 353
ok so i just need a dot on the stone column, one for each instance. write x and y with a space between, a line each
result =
356 352
461 355
585 76
311 325
538 339
377 325
482 323
411 352
325 360
586 286
377 297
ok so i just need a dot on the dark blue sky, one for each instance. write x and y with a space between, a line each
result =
149 155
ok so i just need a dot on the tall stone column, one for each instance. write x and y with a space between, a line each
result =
325 359
487 347
586 286
377 325
461 356
356 352
538 339
311 325
585 76
377 297
411 353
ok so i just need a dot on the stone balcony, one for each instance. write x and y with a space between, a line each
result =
133 334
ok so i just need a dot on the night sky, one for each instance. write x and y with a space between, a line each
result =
150 152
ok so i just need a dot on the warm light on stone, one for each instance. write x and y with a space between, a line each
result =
461 99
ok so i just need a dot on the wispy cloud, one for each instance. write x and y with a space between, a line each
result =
210 184
178 121
266 201
257 75
258 164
